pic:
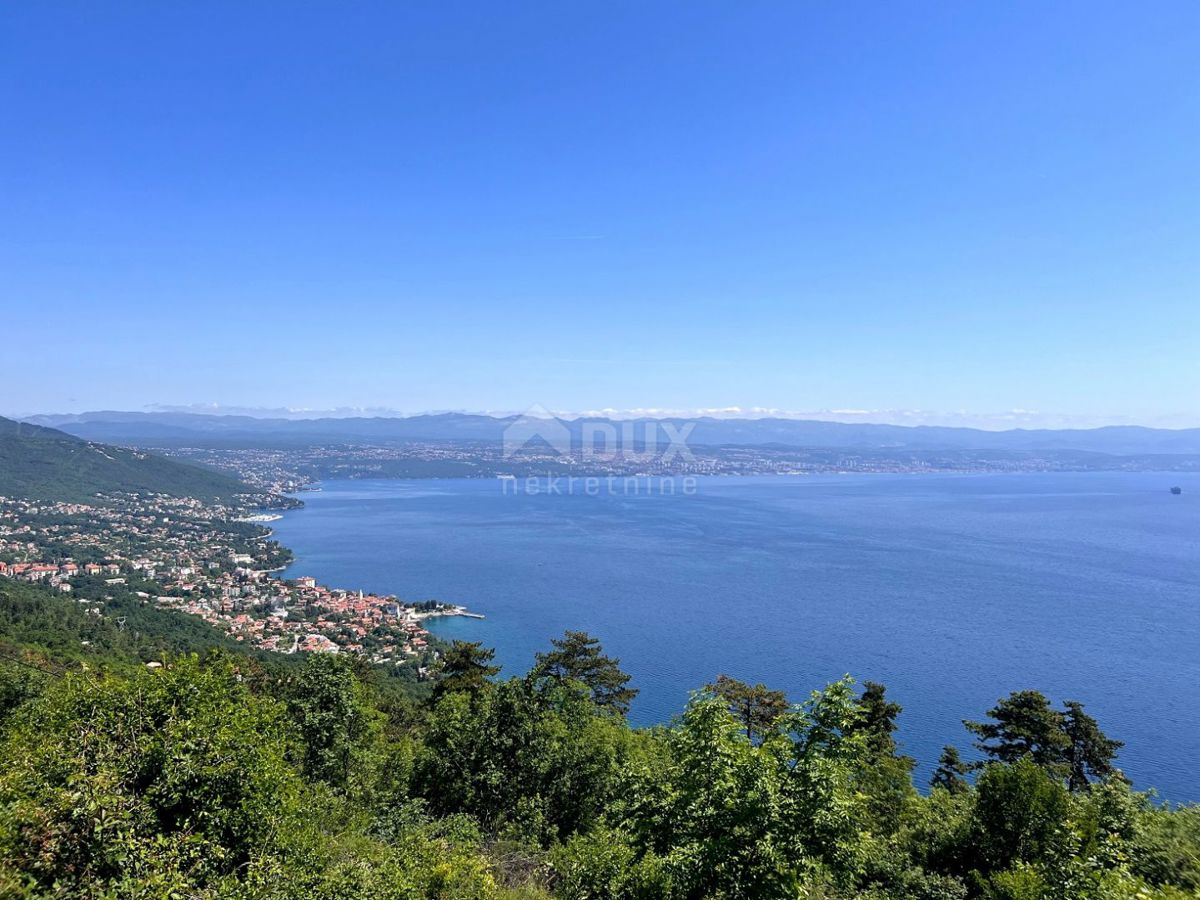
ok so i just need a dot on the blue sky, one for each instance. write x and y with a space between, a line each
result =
792 206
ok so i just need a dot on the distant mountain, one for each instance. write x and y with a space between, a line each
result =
44 464
193 429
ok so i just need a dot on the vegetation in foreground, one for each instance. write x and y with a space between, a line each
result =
216 777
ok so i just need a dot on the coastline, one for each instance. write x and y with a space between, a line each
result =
408 610
836 536
460 611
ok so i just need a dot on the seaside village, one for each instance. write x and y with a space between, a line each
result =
207 560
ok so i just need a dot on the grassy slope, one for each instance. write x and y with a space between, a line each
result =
44 464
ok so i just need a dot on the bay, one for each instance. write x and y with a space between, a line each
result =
953 590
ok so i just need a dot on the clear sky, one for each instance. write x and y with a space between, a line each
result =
439 205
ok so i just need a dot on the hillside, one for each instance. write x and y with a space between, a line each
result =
300 777
45 464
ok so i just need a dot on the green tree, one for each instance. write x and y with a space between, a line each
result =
20 682
877 718
604 864
937 837
466 667
538 762
756 707
1069 745
951 771
579 657
1091 752
1020 814
730 817
337 724
179 783
886 775
1024 725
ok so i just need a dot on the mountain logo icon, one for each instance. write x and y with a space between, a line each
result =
537 425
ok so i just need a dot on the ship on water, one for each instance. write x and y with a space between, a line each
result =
1177 490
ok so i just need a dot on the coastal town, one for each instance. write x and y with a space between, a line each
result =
212 561
300 468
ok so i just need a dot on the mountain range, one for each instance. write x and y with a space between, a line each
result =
174 429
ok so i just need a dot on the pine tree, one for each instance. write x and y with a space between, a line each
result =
1068 745
757 707
1024 725
1092 752
466 667
577 656
951 771
878 720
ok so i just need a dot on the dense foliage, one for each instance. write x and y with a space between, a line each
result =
223 777
46 464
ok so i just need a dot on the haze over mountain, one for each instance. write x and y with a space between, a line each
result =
191 429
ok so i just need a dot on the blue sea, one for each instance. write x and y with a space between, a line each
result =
952 590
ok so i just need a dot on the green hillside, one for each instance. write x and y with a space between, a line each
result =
232 775
44 464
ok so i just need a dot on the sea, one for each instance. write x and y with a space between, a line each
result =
952 590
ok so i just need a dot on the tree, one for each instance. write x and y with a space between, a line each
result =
466 668
1091 751
335 720
577 656
1020 814
951 771
1025 725
885 776
878 718
540 762
756 707
19 683
736 817
1069 745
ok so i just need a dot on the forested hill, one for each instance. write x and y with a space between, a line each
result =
230 775
45 464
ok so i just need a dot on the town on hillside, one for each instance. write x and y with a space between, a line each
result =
207 560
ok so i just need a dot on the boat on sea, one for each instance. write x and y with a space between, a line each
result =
1177 490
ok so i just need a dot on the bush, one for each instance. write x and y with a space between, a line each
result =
178 776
